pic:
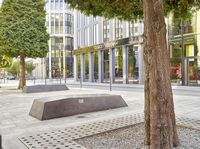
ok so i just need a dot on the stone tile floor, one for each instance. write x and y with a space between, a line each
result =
15 106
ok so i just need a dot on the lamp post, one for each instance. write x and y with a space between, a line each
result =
183 54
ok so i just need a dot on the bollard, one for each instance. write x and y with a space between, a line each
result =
110 84
80 82
1 142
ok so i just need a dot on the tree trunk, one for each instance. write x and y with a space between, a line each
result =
160 124
22 78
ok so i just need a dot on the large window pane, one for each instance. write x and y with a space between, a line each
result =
86 66
52 23
118 65
61 23
133 74
52 5
57 23
106 65
57 4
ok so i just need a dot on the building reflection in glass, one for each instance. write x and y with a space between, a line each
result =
133 74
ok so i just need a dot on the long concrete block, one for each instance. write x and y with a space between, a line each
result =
44 88
55 107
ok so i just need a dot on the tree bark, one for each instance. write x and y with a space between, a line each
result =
22 77
160 123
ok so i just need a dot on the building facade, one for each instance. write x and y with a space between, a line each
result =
184 45
59 23
112 50
107 50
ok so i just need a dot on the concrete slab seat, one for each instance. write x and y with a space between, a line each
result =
44 88
55 107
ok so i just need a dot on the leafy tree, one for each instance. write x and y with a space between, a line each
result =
14 69
160 125
5 61
23 32
29 67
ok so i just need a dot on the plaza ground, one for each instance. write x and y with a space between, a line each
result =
15 106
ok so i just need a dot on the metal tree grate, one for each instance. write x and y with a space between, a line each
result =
64 138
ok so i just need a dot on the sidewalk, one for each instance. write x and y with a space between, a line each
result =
15 106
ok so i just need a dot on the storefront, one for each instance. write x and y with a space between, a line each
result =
120 61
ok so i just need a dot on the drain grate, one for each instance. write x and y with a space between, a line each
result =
63 138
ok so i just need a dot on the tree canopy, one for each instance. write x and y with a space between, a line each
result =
130 9
5 61
22 28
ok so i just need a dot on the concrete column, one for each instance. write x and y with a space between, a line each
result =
112 64
100 66
125 64
141 64
83 67
91 66
75 68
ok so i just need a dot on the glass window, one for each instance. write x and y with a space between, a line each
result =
61 4
57 4
52 5
118 29
47 22
106 65
86 66
52 23
95 34
131 28
61 23
56 23
78 39
68 24
68 43
118 65
47 5
133 70
105 30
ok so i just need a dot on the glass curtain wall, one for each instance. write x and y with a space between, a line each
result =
118 29
95 66
184 43
60 25
133 69
79 66
69 56
86 66
118 65
106 28
57 56
106 66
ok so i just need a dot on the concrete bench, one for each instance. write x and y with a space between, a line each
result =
44 88
55 107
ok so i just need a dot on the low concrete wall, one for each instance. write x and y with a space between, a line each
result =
55 107
44 88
